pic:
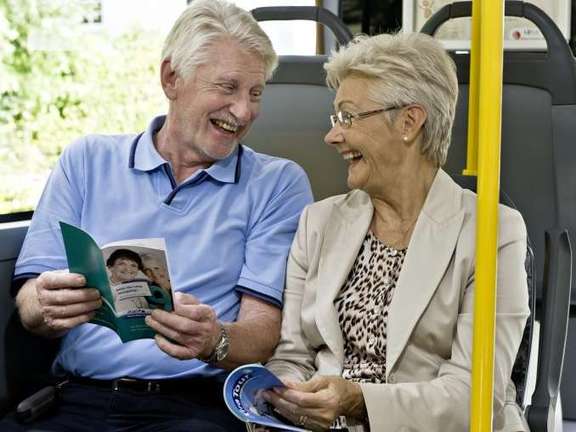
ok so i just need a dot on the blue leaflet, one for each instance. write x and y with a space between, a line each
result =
242 394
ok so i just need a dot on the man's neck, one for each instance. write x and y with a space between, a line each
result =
183 159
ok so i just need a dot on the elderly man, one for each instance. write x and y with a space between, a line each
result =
227 214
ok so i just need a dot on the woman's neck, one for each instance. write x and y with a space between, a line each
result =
397 205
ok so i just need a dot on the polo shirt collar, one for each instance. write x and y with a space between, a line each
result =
227 170
145 157
143 153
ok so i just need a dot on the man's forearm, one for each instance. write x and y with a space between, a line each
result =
254 336
250 341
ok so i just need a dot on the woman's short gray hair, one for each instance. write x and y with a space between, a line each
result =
207 21
405 69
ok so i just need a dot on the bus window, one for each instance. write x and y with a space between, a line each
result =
384 16
372 16
288 37
70 68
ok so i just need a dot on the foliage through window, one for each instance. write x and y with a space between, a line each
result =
62 77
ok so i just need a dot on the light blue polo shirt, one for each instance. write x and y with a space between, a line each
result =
227 229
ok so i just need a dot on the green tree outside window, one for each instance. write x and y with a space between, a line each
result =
61 78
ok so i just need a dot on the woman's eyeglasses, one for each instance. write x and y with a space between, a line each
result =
345 118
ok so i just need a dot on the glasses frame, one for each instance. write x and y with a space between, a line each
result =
345 118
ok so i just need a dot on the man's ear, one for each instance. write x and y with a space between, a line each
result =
413 120
168 78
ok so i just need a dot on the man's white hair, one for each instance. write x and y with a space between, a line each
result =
405 69
205 22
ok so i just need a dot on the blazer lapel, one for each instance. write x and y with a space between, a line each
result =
343 237
429 253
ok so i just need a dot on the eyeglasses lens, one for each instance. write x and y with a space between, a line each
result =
333 120
345 119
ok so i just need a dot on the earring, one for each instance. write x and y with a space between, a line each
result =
405 138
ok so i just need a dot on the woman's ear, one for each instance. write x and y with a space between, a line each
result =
413 120
168 78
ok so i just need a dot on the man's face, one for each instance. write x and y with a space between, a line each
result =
157 274
214 107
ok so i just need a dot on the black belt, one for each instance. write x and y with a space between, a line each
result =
188 385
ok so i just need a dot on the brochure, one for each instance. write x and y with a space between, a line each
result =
242 394
132 277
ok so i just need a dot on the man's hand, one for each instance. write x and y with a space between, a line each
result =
190 331
315 404
56 302
64 300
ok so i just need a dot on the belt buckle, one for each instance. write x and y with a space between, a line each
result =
124 384
115 385
143 386
152 387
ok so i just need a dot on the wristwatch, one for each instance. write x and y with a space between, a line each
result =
222 346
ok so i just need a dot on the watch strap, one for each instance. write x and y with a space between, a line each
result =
221 348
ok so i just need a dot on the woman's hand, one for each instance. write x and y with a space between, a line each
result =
315 404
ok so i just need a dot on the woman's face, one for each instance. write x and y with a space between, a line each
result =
373 149
123 270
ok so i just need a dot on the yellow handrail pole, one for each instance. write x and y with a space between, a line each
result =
490 96
473 90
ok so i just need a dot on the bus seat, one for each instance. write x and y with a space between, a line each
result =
25 359
29 359
537 171
538 128
11 238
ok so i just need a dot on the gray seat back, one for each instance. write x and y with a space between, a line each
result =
538 126
295 117
296 107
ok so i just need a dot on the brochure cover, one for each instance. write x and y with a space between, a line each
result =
132 277
242 394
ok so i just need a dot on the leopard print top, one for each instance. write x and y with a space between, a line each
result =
362 307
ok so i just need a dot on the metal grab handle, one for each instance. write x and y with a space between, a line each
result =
557 46
553 329
307 13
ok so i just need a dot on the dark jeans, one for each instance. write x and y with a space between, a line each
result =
83 407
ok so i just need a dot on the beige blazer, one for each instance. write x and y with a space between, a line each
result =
429 344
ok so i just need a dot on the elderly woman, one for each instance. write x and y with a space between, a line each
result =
377 322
